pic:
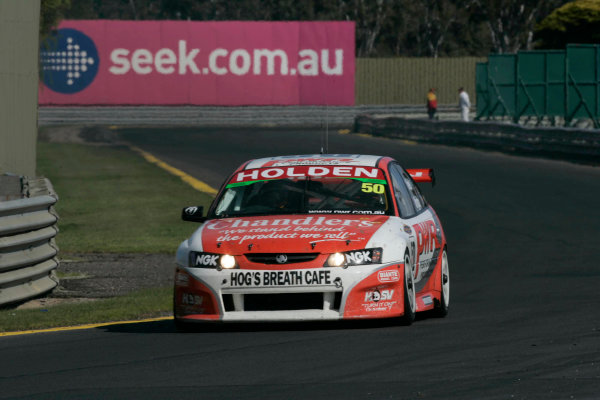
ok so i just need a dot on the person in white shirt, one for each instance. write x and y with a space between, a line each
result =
464 104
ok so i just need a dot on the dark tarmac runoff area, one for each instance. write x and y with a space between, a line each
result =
524 322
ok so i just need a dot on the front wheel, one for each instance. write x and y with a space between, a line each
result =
441 309
182 327
409 294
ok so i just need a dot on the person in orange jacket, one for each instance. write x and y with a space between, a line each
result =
431 103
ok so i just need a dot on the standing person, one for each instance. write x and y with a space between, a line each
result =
464 104
431 103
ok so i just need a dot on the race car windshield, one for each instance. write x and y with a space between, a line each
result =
303 195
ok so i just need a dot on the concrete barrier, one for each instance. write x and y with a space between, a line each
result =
564 143
28 253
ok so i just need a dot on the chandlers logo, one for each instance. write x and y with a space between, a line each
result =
69 61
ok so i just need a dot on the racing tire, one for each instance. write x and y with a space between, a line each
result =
442 306
182 327
410 301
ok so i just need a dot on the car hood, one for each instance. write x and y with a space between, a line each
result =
287 233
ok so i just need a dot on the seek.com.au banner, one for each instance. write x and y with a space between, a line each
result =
200 63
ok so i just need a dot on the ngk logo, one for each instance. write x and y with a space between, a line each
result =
358 257
207 260
187 59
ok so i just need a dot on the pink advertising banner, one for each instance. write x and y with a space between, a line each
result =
199 63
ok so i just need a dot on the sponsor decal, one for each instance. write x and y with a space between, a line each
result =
69 61
190 299
407 229
182 279
199 62
351 212
208 260
379 306
258 174
427 239
427 243
205 260
280 278
241 230
286 224
191 210
388 275
310 161
185 60
376 295
376 300
361 257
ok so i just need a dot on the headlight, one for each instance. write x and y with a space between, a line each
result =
227 261
211 260
355 257
336 260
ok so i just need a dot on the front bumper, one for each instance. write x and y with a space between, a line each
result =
373 291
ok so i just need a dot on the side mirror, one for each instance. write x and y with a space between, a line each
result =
193 214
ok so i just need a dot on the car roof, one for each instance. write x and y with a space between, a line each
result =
316 159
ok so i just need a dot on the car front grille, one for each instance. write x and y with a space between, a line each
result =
275 258
282 301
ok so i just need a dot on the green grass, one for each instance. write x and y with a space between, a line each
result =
112 200
136 305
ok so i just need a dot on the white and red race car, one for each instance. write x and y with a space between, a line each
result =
314 237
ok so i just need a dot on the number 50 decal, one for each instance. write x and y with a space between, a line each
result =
373 188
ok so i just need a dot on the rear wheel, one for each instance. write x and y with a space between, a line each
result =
409 294
441 309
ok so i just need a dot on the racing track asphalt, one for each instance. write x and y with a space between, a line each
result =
523 324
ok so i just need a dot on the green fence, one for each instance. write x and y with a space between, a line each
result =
550 83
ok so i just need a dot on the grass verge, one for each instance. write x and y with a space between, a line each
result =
141 304
112 201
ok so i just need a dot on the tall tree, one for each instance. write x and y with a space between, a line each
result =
511 23
576 22
431 22
418 28
51 12
369 16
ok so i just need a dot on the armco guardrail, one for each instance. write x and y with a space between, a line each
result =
27 250
289 116
566 143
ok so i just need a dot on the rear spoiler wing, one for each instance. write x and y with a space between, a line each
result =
422 175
